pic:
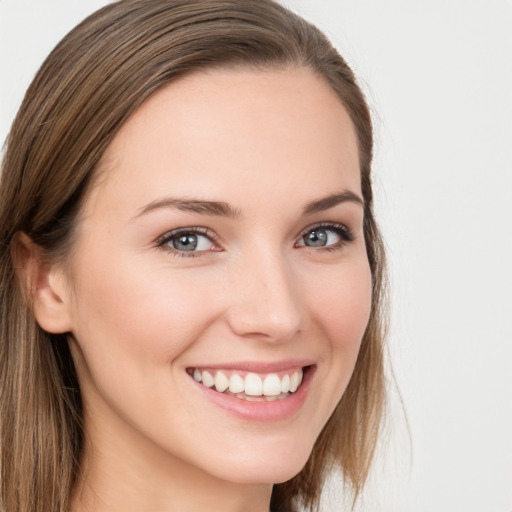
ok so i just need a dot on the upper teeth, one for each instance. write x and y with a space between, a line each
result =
251 384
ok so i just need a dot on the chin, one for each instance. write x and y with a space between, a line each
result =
272 472
265 465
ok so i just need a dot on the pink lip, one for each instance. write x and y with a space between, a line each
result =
259 367
260 411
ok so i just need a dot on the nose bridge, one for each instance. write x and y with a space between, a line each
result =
267 302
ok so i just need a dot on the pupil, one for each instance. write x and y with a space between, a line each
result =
316 238
185 243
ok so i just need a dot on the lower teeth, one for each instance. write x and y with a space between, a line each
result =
261 398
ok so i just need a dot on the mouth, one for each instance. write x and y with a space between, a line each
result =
251 386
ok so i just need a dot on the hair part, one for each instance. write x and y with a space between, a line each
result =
87 88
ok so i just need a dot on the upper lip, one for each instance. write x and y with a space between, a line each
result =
259 366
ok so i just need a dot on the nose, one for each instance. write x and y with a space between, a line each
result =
265 299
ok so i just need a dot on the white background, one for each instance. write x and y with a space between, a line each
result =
438 75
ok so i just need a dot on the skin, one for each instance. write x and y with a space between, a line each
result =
267 143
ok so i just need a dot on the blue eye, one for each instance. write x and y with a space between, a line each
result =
187 242
319 238
328 235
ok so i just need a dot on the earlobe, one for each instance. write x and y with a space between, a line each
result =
44 285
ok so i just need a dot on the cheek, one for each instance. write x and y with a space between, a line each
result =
342 305
341 309
130 312
339 299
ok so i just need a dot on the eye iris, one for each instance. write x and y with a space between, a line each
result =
317 238
185 242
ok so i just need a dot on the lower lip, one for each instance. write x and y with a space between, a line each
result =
261 411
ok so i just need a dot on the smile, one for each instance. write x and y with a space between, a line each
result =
249 386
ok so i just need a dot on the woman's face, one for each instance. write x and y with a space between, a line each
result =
222 242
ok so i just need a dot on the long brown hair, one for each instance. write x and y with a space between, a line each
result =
95 78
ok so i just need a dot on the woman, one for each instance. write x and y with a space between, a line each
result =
191 271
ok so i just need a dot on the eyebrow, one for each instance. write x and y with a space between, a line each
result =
216 208
223 209
331 201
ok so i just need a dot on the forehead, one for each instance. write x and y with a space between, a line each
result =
242 126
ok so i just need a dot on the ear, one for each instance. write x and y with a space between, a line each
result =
45 285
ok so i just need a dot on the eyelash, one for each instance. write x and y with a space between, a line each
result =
345 234
162 241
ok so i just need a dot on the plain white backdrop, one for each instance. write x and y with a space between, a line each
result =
438 75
